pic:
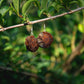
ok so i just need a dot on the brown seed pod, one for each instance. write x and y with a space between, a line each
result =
45 39
31 43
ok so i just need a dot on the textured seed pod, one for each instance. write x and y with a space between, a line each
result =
31 43
45 39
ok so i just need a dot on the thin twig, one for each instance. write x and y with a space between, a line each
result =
80 70
42 20
76 52
23 73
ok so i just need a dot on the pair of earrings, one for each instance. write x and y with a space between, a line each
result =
43 40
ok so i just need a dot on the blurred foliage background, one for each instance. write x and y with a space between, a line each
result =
45 66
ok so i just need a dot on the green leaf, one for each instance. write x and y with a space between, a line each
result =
40 12
49 30
10 12
40 65
56 6
1 2
44 4
26 6
81 28
6 37
74 2
12 9
4 10
60 50
8 47
16 5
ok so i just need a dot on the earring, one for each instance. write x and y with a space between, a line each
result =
44 39
31 42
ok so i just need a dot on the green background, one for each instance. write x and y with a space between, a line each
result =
46 65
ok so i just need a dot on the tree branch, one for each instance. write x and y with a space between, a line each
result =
78 71
42 20
76 52
73 39
23 73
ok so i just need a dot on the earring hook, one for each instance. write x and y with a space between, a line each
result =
44 28
32 31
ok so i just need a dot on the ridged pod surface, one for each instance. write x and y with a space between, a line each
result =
31 43
45 39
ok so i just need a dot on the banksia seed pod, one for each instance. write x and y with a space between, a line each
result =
45 39
31 43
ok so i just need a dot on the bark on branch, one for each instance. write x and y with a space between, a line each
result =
42 20
73 55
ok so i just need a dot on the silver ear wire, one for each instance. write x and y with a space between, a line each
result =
32 31
44 28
